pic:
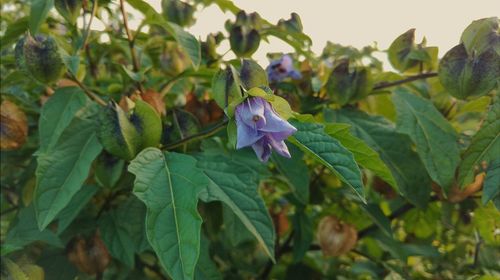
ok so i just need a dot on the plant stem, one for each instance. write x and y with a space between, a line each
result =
279 252
90 94
199 136
87 31
133 54
383 85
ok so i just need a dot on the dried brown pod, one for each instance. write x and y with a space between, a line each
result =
336 237
205 111
13 126
89 255
457 194
155 99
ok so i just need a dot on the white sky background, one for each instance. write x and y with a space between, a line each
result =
353 22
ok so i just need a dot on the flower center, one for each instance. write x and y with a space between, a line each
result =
256 118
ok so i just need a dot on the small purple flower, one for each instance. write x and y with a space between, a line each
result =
259 126
280 69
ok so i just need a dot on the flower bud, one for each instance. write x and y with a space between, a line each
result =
335 237
347 85
69 9
40 56
178 12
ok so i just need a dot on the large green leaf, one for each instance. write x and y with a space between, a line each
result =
187 41
57 114
39 12
206 268
435 138
123 230
302 234
24 230
375 213
61 173
312 139
363 154
491 188
169 185
295 172
78 201
394 149
485 146
236 185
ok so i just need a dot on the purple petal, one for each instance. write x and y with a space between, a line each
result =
262 149
275 123
287 62
246 135
294 74
280 147
251 112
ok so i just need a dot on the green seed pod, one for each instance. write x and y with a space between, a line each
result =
252 75
42 58
117 133
147 122
465 76
173 59
244 41
178 12
19 53
69 9
209 52
347 85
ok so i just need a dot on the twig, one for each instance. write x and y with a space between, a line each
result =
90 94
403 81
279 252
133 54
87 31
198 136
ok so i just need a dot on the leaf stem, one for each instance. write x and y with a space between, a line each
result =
89 93
383 85
130 38
198 136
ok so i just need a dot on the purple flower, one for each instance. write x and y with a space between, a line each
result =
280 69
259 126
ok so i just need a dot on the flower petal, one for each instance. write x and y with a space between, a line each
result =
251 112
275 123
280 147
246 135
262 149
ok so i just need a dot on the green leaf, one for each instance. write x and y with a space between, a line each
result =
394 149
13 32
375 213
491 187
206 268
485 146
302 234
481 35
169 185
57 113
435 138
24 230
108 170
312 139
78 201
123 230
61 173
236 186
187 41
363 154
72 62
295 171
422 223
39 12
465 76
485 220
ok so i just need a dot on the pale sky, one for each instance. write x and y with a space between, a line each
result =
355 22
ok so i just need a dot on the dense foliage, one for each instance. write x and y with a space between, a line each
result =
147 154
